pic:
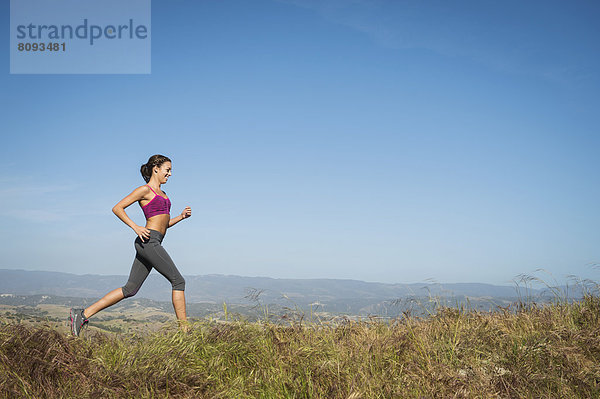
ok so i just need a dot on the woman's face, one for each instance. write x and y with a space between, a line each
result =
163 172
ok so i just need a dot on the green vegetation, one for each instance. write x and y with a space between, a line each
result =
524 351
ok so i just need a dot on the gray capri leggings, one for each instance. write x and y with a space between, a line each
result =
150 254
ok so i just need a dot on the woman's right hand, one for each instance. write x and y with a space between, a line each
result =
142 232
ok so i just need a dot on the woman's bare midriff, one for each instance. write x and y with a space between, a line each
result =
159 223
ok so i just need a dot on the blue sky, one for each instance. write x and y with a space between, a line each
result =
392 141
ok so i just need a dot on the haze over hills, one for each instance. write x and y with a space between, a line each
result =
332 295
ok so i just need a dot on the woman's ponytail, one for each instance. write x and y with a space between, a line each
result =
146 172
155 160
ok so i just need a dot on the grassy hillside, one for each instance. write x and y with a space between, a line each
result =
525 351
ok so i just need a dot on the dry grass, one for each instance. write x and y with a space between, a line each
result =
524 352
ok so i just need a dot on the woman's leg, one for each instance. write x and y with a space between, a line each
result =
107 300
163 263
138 274
179 306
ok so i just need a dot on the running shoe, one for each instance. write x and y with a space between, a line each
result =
77 321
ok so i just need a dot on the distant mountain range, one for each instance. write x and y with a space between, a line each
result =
331 295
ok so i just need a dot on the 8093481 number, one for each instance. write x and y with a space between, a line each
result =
42 46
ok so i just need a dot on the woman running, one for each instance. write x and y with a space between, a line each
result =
149 251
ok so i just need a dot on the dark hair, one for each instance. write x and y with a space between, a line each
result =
155 160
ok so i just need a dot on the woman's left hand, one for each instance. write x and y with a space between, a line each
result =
187 212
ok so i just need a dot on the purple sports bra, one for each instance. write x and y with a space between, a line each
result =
158 205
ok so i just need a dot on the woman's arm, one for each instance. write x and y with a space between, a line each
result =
187 212
137 195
